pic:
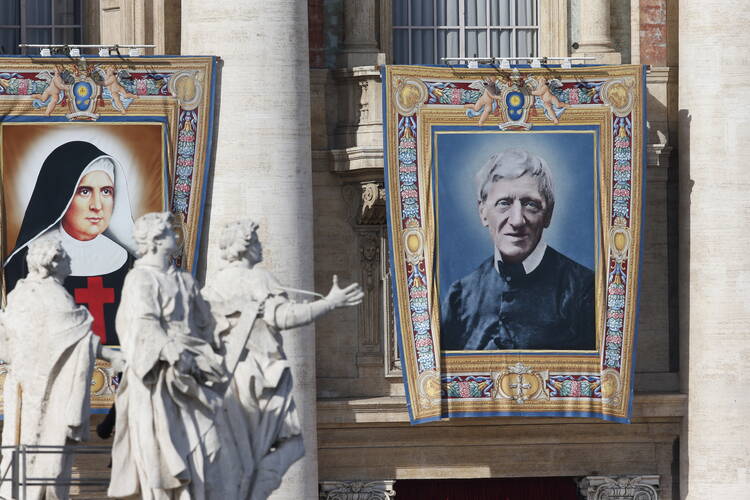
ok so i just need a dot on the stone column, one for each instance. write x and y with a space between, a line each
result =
262 168
360 29
714 213
596 37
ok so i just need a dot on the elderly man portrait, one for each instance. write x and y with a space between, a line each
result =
525 295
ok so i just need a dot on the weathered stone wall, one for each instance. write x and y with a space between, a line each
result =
714 273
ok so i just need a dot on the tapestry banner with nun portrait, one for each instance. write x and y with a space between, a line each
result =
514 201
86 147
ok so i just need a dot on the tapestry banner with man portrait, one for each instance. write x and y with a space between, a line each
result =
514 200
88 145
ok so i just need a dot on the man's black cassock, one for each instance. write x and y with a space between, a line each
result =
55 186
552 307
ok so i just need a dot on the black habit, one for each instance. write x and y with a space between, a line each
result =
502 307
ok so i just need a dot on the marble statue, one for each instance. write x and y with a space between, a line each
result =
172 439
48 343
256 308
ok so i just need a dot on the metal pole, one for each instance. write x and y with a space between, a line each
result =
23 461
14 474
82 46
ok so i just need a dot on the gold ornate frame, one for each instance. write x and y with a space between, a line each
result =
177 92
531 383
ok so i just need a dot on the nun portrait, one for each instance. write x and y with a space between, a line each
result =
81 197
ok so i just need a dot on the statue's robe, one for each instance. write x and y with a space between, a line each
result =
500 306
172 441
51 353
251 299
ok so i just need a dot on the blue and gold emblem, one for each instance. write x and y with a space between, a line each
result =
516 98
83 100
82 92
515 101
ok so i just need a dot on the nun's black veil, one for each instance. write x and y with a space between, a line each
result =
55 185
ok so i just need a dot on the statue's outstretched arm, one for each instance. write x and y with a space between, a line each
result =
286 314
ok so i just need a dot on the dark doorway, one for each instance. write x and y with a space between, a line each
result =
543 488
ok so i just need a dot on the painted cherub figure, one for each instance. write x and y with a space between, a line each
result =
54 91
549 100
484 105
116 90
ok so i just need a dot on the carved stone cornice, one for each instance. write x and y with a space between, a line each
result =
357 72
362 161
620 487
357 490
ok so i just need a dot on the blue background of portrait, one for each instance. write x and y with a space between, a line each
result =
463 243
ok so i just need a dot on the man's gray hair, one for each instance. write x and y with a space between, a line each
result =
43 255
512 164
235 238
148 228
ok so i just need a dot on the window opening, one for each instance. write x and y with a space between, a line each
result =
39 22
425 31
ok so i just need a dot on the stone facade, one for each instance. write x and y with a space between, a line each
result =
329 177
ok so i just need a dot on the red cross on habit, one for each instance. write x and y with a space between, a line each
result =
95 296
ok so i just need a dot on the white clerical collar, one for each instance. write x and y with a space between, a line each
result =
529 263
93 257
